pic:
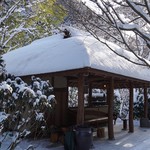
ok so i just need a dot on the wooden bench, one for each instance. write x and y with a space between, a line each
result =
93 115
97 122
96 116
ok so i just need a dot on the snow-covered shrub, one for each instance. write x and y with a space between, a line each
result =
117 105
124 107
73 97
139 103
25 105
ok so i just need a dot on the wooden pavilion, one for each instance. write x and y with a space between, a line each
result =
83 62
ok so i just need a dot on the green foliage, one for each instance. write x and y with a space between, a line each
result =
23 21
48 14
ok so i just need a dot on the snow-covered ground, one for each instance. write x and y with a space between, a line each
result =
139 140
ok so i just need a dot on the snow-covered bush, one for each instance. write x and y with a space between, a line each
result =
139 103
139 107
124 107
73 97
117 105
24 105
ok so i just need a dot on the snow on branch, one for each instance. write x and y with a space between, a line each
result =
120 54
138 10
134 27
9 12
116 21
15 31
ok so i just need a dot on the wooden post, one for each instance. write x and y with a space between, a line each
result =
124 124
131 126
65 106
90 94
110 96
145 103
80 110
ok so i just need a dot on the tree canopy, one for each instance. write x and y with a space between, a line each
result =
23 21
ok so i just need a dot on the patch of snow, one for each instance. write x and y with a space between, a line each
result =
3 116
4 86
93 6
97 94
39 116
51 97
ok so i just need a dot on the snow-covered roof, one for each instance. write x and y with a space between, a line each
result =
54 53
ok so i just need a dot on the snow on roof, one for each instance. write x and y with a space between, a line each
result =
54 53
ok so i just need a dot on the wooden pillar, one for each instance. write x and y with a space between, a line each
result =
61 107
65 106
110 97
145 103
90 94
80 109
124 124
131 126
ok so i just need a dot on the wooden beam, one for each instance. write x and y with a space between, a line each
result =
87 70
131 126
80 109
110 96
145 103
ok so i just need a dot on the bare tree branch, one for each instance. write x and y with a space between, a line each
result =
107 22
147 6
138 11
94 35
